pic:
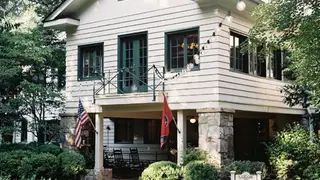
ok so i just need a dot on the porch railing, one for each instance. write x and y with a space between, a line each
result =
130 80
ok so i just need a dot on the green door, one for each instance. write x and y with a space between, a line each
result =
133 76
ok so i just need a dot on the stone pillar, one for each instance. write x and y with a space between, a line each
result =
68 123
182 136
216 134
99 143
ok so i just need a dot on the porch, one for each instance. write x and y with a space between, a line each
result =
224 134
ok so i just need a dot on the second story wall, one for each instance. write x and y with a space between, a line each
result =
107 23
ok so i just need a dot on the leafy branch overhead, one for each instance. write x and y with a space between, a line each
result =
294 26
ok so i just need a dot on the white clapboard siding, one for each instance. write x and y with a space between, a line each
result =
214 85
146 151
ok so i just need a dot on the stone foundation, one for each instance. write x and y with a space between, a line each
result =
216 134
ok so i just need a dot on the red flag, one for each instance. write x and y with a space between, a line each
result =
167 117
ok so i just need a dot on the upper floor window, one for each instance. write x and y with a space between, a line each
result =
90 63
181 47
258 62
238 61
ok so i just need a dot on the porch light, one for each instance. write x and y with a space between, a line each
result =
193 120
241 5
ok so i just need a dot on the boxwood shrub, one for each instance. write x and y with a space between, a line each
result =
72 165
163 170
200 170
50 148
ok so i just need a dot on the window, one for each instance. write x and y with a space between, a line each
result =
181 47
90 61
274 66
124 130
152 131
133 59
238 61
24 130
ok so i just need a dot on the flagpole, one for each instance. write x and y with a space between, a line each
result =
174 120
93 125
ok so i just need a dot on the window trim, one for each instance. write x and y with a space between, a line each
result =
80 61
166 48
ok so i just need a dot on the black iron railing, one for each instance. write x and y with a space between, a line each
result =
130 80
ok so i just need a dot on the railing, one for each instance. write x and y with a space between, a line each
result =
130 80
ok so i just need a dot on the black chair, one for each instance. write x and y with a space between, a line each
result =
118 158
135 162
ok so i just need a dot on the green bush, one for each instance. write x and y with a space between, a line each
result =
163 170
194 154
312 172
200 170
243 166
50 148
72 165
8 147
44 165
14 163
291 153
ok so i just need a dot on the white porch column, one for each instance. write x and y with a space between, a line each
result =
182 136
99 143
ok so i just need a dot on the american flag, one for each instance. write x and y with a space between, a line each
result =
83 118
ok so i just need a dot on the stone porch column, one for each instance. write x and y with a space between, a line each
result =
182 136
216 134
98 159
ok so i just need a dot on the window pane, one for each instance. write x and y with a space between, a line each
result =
152 131
238 61
91 60
123 130
182 47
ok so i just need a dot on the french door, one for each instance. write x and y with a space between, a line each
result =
133 65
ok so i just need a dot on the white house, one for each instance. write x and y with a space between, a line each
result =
233 100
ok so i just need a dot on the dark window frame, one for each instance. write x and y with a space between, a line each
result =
152 137
129 133
167 43
235 65
81 50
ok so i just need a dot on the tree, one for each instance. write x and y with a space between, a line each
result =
293 25
32 62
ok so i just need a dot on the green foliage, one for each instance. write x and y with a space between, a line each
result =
163 170
43 165
292 155
243 166
200 170
14 163
312 172
290 25
194 154
72 164
50 148
7 147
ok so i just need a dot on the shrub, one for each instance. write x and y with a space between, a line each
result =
50 148
44 165
312 172
8 147
72 165
194 154
163 170
243 166
14 163
292 152
200 170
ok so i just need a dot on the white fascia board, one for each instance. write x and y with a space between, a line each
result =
61 23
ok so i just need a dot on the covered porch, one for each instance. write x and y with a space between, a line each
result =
225 134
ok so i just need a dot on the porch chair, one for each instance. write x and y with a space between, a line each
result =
118 158
135 162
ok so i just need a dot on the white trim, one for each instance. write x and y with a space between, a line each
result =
62 22
55 13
